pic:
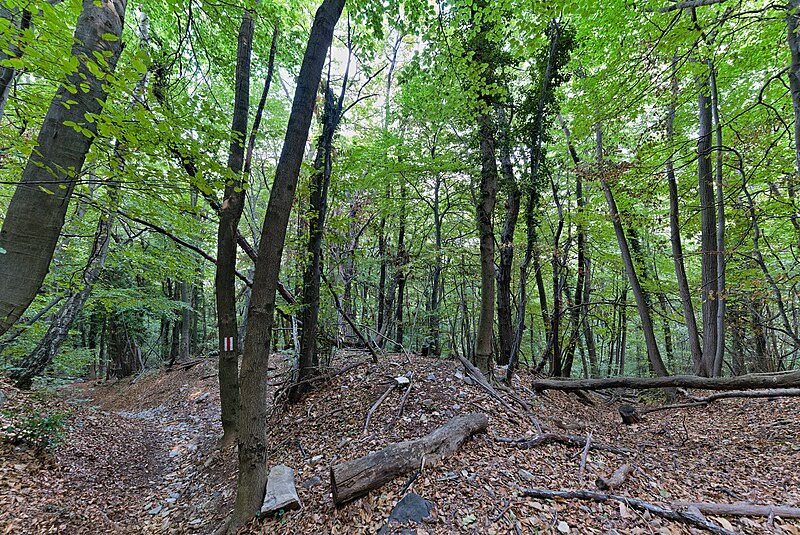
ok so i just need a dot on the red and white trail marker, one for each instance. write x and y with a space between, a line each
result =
227 343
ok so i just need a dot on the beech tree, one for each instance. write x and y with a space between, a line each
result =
36 213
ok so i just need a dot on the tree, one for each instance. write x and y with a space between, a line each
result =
252 419
36 212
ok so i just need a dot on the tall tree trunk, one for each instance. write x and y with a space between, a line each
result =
230 213
252 422
675 236
708 230
533 201
653 353
488 194
400 273
793 40
36 214
320 180
719 349
505 326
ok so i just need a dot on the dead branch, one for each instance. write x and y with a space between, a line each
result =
348 319
405 396
617 478
584 455
676 516
375 406
742 382
568 440
630 415
742 509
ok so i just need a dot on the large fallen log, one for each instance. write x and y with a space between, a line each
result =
742 509
742 382
677 516
354 478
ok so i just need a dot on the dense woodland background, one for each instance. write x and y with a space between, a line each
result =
588 191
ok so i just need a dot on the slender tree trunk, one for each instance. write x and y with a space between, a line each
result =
320 180
36 213
252 420
505 324
653 353
675 237
230 213
488 194
793 40
588 334
719 349
533 201
708 230
400 274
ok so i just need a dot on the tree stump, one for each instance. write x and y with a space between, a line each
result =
629 414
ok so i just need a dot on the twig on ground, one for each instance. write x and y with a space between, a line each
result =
677 516
584 455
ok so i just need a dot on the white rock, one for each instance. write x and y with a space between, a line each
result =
281 492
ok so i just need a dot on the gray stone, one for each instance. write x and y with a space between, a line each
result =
524 475
281 493
312 482
3 398
412 508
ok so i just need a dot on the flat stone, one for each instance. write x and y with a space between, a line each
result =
281 493
524 475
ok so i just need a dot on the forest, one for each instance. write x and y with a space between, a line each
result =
274 220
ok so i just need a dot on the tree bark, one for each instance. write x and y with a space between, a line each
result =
252 419
488 195
230 213
505 326
36 213
357 477
708 230
742 382
793 41
719 348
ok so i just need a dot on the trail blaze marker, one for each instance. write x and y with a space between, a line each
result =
227 343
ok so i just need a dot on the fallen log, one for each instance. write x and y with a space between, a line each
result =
676 516
742 382
742 509
357 477
617 478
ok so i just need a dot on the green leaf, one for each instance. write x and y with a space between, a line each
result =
109 37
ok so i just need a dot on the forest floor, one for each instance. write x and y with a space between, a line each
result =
142 457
